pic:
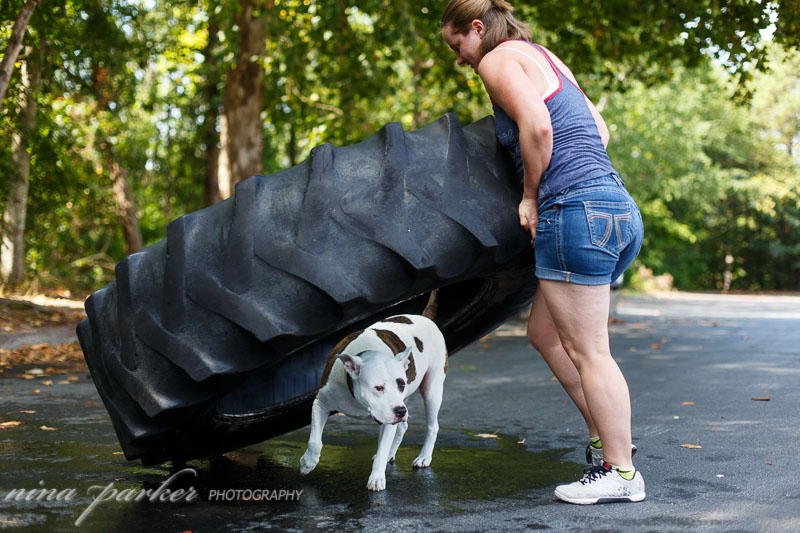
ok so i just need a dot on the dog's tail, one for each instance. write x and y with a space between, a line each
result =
433 305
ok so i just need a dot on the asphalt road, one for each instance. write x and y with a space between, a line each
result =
719 373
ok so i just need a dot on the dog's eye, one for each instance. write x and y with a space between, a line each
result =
379 388
401 384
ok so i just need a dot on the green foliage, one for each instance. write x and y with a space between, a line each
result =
135 82
616 40
336 73
710 183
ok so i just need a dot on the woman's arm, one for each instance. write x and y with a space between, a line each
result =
509 86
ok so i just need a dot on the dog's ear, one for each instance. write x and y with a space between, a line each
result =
352 364
403 357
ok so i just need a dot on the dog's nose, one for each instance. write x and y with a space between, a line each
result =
400 412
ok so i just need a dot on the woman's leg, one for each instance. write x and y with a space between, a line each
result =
580 315
543 336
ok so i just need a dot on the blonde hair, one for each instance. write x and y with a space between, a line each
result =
496 15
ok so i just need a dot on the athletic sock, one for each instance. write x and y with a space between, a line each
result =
626 473
595 442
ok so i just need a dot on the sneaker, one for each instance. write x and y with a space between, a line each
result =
603 485
594 456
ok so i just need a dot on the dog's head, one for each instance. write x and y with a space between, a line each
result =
379 382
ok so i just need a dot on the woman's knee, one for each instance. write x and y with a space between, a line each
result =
583 355
543 339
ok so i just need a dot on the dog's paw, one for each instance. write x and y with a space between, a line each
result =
422 462
377 482
308 463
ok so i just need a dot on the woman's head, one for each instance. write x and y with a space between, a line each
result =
491 21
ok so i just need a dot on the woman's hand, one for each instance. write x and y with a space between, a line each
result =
529 216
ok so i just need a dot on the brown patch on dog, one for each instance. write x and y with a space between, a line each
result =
399 320
411 371
339 348
418 343
391 340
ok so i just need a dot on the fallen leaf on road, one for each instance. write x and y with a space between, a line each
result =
655 346
64 382
770 464
47 428
554 378
760 399
521 441
10 424
691 446
28 412
38 354
487 435
687 403
36 391
73 378
27 376
47 382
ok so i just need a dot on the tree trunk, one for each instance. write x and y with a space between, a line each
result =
14 46
241 135
126 208
12 249
292 148
210 135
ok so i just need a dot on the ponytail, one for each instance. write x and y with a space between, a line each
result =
496 15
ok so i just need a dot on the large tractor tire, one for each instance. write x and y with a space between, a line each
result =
216 337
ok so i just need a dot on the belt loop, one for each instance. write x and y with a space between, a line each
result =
618 179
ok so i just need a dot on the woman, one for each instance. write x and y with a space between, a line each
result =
586 229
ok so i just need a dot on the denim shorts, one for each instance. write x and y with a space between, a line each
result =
588 233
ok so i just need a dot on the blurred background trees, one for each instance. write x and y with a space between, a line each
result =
121 115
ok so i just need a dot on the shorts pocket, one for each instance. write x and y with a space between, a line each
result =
609 224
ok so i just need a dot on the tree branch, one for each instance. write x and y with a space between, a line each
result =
14 46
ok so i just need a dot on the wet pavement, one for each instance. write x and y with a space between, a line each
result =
717 373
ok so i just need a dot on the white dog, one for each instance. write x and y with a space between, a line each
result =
370 374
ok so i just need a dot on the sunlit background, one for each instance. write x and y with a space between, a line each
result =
122 115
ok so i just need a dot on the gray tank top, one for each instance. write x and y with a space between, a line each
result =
578 151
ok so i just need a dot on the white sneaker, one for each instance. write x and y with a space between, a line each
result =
603 485
594 456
